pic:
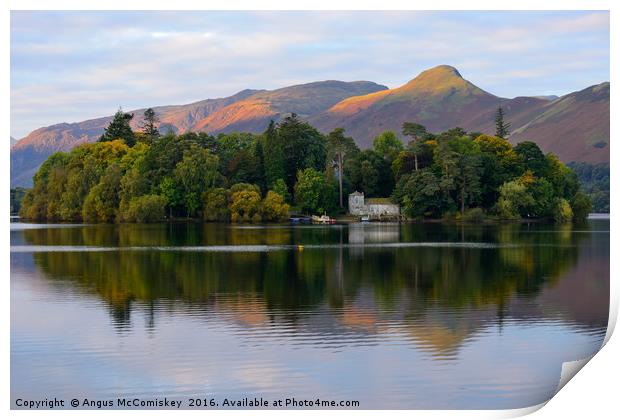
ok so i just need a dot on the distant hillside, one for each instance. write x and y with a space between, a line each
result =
438 98
248 110
574 126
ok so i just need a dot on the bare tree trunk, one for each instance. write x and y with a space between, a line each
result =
462 199
415 157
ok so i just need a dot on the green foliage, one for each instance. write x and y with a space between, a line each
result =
243 186
475 215
501 127
245 206
149 125
312 192
544 198
531 157
416 131
17 196
562 212
371 173
273 155
196 173
119 128
387 145
145 209
582 206
303 147
226 177
273 208
279 187
595 182
216 205
422 194
514 199
499 163
169 190
339 149
102 201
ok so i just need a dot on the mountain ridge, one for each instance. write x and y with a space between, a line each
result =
574 126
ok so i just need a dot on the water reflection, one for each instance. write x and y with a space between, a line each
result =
348 287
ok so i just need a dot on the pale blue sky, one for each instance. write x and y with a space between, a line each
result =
71 66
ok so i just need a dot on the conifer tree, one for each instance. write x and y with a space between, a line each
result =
149 124
119 129
501 127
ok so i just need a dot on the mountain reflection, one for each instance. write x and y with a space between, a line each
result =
352 280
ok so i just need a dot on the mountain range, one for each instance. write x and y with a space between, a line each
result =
574 126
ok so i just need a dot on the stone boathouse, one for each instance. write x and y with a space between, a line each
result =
374 208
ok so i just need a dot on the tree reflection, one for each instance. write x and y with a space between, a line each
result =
442 293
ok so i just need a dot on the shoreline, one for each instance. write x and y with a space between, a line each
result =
340 220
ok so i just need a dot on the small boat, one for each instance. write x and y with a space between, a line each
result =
365 219
299 219
323 220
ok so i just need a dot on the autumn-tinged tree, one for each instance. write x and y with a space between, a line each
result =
226 177
216 205
273 208
245 206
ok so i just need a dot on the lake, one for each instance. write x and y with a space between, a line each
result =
392 315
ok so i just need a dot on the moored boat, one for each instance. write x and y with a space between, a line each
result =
323 220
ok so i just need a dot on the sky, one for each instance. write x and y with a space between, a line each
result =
72 66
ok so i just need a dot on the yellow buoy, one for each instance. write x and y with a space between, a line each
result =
300 247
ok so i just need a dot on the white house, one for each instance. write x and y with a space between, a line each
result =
374 208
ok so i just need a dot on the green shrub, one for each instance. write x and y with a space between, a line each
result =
146 208
244 205
475 215
242 186
279 187
563 212
216 205
273 208
582 206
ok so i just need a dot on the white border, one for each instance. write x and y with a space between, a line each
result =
593 393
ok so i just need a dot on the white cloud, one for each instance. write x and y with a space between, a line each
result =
68 66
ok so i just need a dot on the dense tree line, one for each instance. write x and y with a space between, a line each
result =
594 179
17 195
241 177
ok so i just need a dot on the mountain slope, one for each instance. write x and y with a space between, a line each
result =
248 110
574 126
438 98
254 113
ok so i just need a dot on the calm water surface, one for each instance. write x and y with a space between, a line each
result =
395 316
